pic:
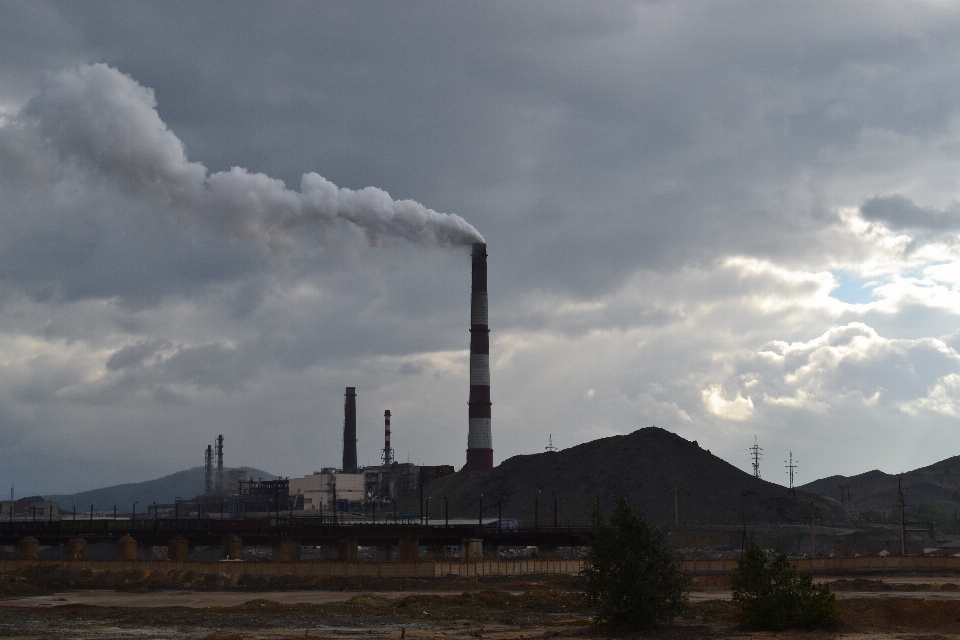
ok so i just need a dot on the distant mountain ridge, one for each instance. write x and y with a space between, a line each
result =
937 484
186 484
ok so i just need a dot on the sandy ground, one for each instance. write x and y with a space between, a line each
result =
902 607
200 599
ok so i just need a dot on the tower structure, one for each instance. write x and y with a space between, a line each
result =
219 455
756 452
790 469
208 471
479 438
350 430
387 450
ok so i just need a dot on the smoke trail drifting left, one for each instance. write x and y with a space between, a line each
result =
97 119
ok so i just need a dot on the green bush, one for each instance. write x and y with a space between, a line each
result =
632 578
773 595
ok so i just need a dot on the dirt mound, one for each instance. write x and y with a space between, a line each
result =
651 463
45 578
227 635
894 614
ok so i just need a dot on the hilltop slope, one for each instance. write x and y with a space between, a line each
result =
937 484
643 467
186 484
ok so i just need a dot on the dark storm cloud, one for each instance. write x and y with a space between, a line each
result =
662 185
639 118
899 212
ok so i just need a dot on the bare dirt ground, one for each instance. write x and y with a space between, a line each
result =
878 608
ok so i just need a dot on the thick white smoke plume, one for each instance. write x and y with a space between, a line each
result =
95 117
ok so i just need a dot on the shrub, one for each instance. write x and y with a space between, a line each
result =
774 595
632 578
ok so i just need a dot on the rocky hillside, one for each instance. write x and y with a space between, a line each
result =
644 467
937 485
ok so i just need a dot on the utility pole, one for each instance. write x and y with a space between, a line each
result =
791 493
813 528
756 452
743 540
903 528
676 506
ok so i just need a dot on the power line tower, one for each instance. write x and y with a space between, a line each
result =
844 491
550 446
791 493
756 452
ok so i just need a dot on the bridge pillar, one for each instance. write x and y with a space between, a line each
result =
28 549
348 549
287 550
76 549
408 550
546 551
472 550
384 552
231 548
126 548
178 549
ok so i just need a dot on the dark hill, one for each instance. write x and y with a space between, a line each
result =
937 484
644 467
186 484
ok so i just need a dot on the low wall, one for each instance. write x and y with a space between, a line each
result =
336 568
434 569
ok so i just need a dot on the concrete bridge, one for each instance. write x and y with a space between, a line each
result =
286 535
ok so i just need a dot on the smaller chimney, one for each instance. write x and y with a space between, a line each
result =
350 430
387 451
219 454
208 470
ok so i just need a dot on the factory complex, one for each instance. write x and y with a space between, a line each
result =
369 490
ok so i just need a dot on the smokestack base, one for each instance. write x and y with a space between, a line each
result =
478 459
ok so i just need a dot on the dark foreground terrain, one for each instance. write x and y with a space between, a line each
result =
180 605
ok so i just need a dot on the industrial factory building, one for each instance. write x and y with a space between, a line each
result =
329 489
376 488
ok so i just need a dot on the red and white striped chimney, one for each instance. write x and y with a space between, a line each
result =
479 439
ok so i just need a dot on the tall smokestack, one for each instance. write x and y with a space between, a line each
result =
387 450
479 439
208 471
350 430
219 454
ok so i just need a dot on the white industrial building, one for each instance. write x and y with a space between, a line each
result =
324 489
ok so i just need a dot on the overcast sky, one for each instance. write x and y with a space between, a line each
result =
728 219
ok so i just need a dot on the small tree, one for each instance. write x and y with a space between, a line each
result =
774 595
632 577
